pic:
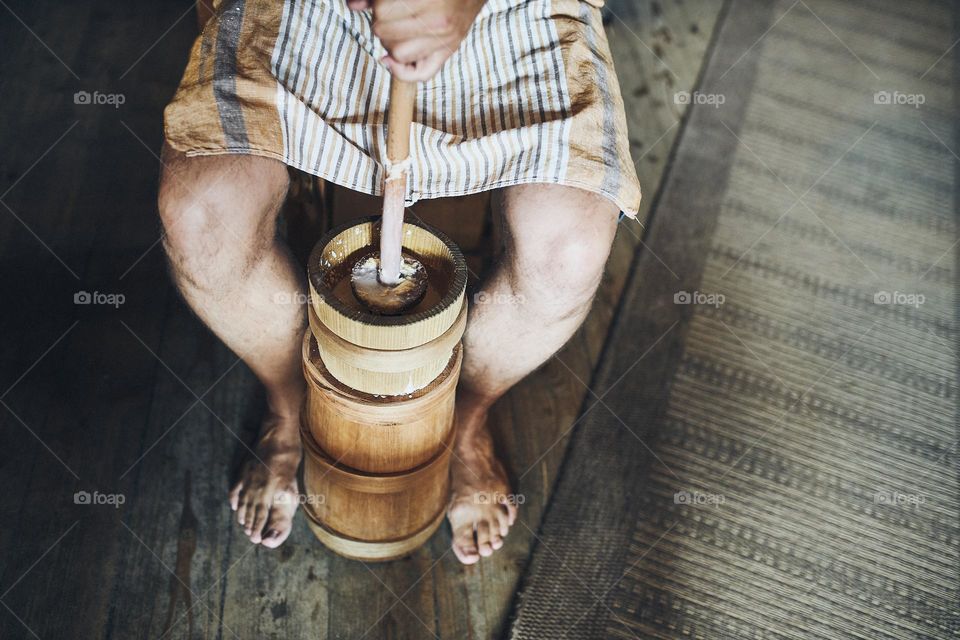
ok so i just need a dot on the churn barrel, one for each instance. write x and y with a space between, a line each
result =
378 419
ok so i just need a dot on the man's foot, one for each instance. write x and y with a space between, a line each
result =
266 496
481 510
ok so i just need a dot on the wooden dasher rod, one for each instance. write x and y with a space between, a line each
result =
399 117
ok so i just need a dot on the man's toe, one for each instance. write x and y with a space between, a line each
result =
260 519
496 540
483 539
464 546
503 522
249 514
276 536
235 495
278 529
511 513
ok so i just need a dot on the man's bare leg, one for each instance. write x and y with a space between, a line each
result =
219 216
558 240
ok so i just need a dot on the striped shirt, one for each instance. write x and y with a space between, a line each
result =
530 96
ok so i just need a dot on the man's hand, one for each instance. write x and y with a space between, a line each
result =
419 35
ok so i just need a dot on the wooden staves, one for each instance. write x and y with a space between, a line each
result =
385 434
369 516
381 371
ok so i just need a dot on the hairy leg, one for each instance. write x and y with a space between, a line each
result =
557 243
219 216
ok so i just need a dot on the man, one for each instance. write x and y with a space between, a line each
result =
516 95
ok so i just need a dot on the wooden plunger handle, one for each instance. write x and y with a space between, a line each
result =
399 116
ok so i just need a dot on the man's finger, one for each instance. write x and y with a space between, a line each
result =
419 71
358 5
412 51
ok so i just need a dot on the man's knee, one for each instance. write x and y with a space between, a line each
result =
558 260
209 229
195 237
561 277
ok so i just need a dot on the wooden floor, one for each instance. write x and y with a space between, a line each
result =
139 403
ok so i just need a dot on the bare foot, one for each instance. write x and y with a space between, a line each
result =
266 496
481 511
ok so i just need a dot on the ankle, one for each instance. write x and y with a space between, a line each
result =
278 435
285 404
472 403
473 432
